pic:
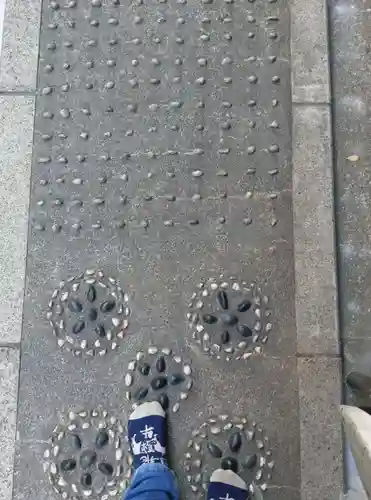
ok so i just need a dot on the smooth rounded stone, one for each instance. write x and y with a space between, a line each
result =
86 480
75 306
91 294
176 378
229 319
244 306
100 331
158 383
68 464
230 463
161 364
222 299
210 319
250 461
78 327
102 439
225 337
92 314
214 450
141 393
235 442
163 399
105 468
244 330
107 306
144 369
87 458
128 379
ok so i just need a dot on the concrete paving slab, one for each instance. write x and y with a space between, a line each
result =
9 368
321 434
310 53
20 45
16 134
315 259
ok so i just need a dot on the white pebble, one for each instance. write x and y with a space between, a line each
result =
187 370
176 407
152 350
128 379
183 395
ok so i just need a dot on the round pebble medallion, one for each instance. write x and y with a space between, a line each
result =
88 456
229 319
228 442
158 374
89 314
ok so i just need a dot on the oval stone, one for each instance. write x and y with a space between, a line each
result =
210 319
235 441
144 369
244 306
100 331
244 330
107 306
86 480
158 383
224 338
161 364
76 441
250 461
68 464
78 327
214 450
164 401
222 299
91 294
75 306
230 463
92 314
141 393
105 468
102 439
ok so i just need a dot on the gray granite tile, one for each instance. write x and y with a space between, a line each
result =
20 45
309 51
315 265
16 131
9 366
320 428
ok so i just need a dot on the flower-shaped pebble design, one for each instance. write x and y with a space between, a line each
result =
158 375
89 314
229 319
228 442
88 456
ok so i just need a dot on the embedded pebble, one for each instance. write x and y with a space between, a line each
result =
128 380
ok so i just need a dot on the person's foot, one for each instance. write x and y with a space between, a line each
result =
226 485
147 434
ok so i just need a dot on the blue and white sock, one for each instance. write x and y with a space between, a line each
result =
226 485
147 434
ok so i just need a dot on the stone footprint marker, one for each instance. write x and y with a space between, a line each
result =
159 262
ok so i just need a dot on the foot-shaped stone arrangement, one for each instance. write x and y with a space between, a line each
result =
226 485
147 434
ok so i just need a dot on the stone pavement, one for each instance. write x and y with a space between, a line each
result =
167 232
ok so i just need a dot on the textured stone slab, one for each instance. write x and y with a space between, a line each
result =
162 157
315 267
20 44
9 366
16 132
320 427
351 65
309 51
